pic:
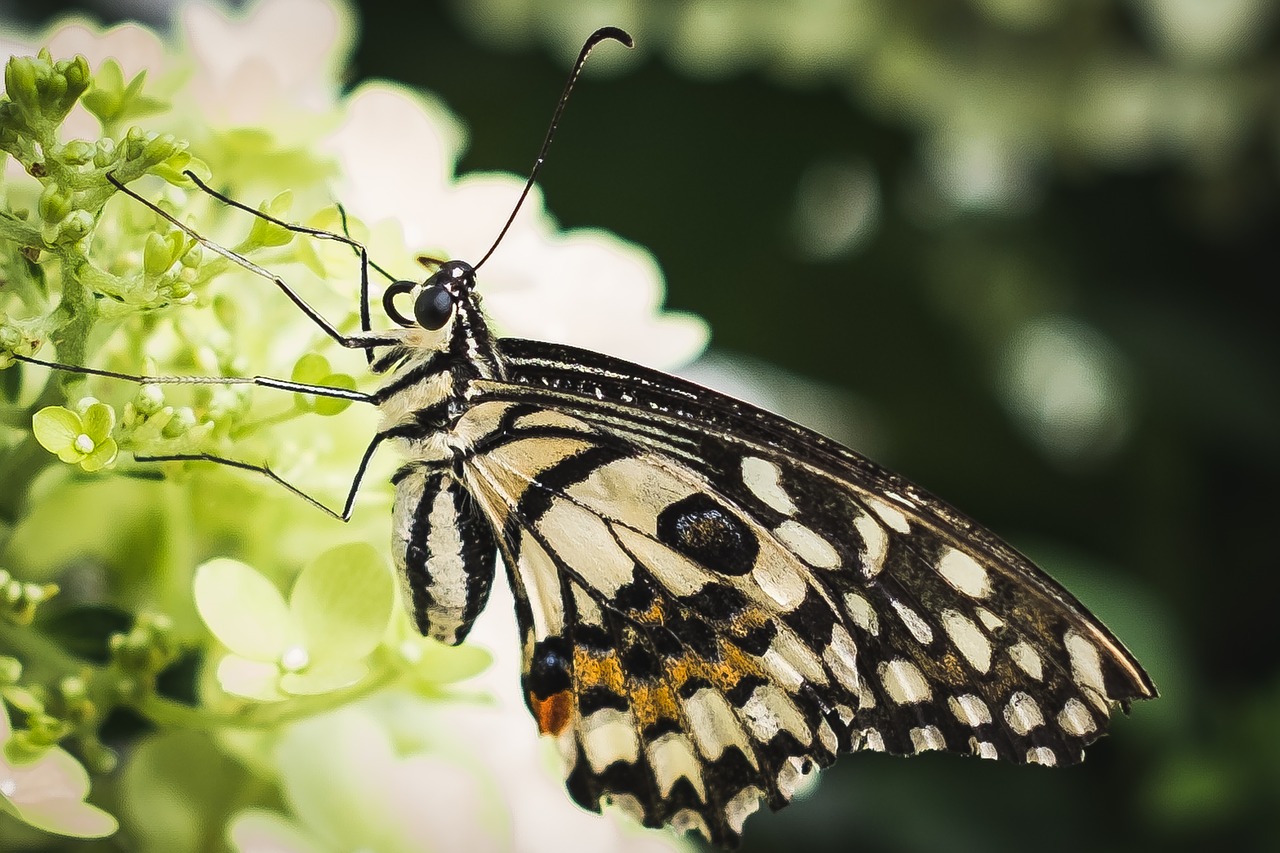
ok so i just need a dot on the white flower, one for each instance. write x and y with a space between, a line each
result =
585 288
351 788
270 65
49 792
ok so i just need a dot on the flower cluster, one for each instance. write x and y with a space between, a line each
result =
179 568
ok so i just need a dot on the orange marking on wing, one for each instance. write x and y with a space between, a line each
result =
653 702
592 670
552 713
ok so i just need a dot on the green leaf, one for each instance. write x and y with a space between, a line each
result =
330 406
103 100
311 369
343 600
243 609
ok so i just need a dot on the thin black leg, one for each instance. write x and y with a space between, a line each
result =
365 340
365 262
347 507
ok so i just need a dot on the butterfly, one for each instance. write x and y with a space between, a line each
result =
713 601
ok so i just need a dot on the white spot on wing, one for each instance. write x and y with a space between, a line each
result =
964 573
926 738
875 543
1086 666
1042 755
770 710
983 749
714 725
904 682
777 577
671 757
628 804
1022 713
989 620
791 661
609 735
842 656
890 515
764 479
970 710
968 638
742 806
1075 719
915 624
862 613
1027 660
792 776
687 820
827 737
807 545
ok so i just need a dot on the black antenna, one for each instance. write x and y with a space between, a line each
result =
598 36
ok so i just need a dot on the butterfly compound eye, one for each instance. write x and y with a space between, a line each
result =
433 307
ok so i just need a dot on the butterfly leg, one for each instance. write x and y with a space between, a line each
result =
365 340
264 381
347 506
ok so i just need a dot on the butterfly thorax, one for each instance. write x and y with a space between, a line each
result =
430 374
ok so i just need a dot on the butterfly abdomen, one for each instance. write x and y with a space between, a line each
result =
444 552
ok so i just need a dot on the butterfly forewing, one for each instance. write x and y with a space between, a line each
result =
716 600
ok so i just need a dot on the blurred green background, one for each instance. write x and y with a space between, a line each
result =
1025 252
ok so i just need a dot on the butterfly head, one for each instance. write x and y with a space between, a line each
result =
435 299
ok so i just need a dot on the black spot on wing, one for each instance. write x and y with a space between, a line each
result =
708 533
550 668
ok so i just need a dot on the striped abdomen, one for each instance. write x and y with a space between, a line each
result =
444 552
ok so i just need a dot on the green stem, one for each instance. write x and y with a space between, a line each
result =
34 650
251 427
24 460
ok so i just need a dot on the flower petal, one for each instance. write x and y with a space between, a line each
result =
243 609
252 679
441 664
102 456
69 817
342 600
97 421
323 678
55 428
54 776
261 831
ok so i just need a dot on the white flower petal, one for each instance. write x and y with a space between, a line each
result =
251 679
54 776
69 817
260 831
